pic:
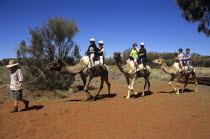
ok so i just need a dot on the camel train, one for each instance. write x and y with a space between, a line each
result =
87 73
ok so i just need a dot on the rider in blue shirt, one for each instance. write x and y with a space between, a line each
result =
187 58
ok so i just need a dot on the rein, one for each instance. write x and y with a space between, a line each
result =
38 76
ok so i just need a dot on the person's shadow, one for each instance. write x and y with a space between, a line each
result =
33 107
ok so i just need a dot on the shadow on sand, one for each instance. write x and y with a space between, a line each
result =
99 97
180 91
201 81
146 93
33 107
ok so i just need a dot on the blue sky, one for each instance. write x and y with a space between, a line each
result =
119 23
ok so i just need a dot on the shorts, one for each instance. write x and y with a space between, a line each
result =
16 94
181 61
136 59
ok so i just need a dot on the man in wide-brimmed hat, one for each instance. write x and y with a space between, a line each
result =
16 85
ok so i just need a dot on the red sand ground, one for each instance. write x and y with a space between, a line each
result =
158 115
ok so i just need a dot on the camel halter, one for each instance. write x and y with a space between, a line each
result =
38 76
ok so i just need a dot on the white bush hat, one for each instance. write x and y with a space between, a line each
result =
101 42
12 63
142 43
92 39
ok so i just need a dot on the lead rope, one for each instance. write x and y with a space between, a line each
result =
38 76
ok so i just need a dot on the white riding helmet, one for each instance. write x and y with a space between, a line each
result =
92 39
142 43
101 42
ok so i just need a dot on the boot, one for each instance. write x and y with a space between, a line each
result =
26 104
15 110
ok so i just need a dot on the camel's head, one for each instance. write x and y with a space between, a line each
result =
158 61
56 65
117 55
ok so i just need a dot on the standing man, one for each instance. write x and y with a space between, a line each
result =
16 85
101 52
92 50
187 57
143 55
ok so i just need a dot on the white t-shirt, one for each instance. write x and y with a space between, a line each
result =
16 78
180 56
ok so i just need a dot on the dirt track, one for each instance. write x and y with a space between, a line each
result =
160 114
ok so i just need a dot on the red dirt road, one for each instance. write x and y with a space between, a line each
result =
158 115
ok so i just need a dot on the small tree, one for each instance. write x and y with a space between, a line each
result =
48 43
196 11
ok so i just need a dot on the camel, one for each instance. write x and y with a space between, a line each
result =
175 73
132 75
86 73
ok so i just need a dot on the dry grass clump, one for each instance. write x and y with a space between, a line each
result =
4 75
158 75
202 71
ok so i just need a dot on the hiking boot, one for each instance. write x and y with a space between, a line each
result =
15 110
26 104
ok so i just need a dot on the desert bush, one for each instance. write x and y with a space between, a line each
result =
109 61
48 43
4 75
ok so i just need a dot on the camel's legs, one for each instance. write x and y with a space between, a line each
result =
101 86
128 81
186 80
132 85
145 85
86 87
129 86
108 84
148 84
177 91
195 79
170 83
83 79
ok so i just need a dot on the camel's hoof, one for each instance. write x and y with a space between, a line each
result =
127 97
177 93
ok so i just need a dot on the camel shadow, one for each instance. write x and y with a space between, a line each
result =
171 92
204 80
99 97
180 90
33 107
146 93
201 81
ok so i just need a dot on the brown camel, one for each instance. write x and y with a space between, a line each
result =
132 75
85 72
174 72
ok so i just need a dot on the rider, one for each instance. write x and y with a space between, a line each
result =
143 55
180 59
134 54
92 51
101 52
187 58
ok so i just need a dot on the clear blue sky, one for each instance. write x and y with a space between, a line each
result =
119 23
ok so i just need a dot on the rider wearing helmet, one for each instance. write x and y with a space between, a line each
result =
187 58
180 58
143 55
101 52
134 54
92 51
